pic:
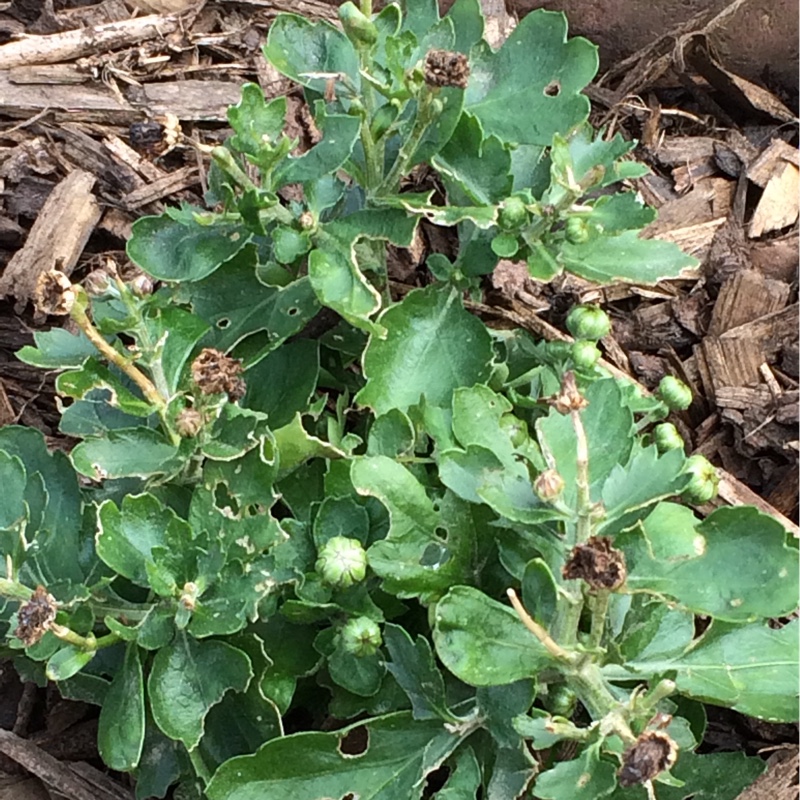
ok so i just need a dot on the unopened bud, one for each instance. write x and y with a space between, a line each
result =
548 486
342 562
361 637
141 285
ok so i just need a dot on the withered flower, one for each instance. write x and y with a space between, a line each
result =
216 373
597 563
445 68
35 617
652 753
569 397
54 293
189 422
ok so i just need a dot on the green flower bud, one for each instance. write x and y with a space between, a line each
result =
342 562
704 480
359 28
576 230
585 354
513 213
561 701
517 429
505 245
666 437
588 322
361 637
675 394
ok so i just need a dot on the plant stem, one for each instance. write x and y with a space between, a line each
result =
567 618
539 632
584 501
366 8
588 683
200 768
14 590
146 386
87 643
227 164
401 165
599 613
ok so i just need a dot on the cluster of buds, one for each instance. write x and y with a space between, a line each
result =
569 397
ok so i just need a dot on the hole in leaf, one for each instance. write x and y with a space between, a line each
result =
435 556
355 742
293 311
553 89
436 781
223 323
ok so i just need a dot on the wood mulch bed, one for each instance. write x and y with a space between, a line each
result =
76 84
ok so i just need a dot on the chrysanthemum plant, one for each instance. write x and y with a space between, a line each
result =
317 541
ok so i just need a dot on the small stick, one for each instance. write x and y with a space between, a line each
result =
538 631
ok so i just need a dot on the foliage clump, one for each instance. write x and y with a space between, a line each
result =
295 496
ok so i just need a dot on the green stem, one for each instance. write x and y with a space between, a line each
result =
400 167
366 8
567 618
87 643
599 612
14 590
200 768
225 161
588 683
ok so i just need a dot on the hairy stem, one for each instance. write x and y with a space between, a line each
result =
402 163
599 613
584 502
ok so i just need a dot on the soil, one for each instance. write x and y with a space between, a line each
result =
709 90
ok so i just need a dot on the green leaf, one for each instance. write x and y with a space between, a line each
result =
238 305
711 776
621 212
653 630
512 773
177 332
361 675
735 565
645 479
283 383
340 133
135 452
530 89
67 661
539 591
478 475
120 733
127 536
13 480
587 777
413 667
173 250
57 349
468 24
253 120
412 559
340 516
609 431
498 705
93 375
479 166
159 766
307 766
288 244
297 47
391 434
464 778
625 257
483 642
752 669
340 285
433 346
187 678
235 432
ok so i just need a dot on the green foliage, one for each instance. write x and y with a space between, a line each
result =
302 496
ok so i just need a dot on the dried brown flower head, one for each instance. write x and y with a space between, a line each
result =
653 753
445 68
35 617
569 397
54 293
216 373
597 563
